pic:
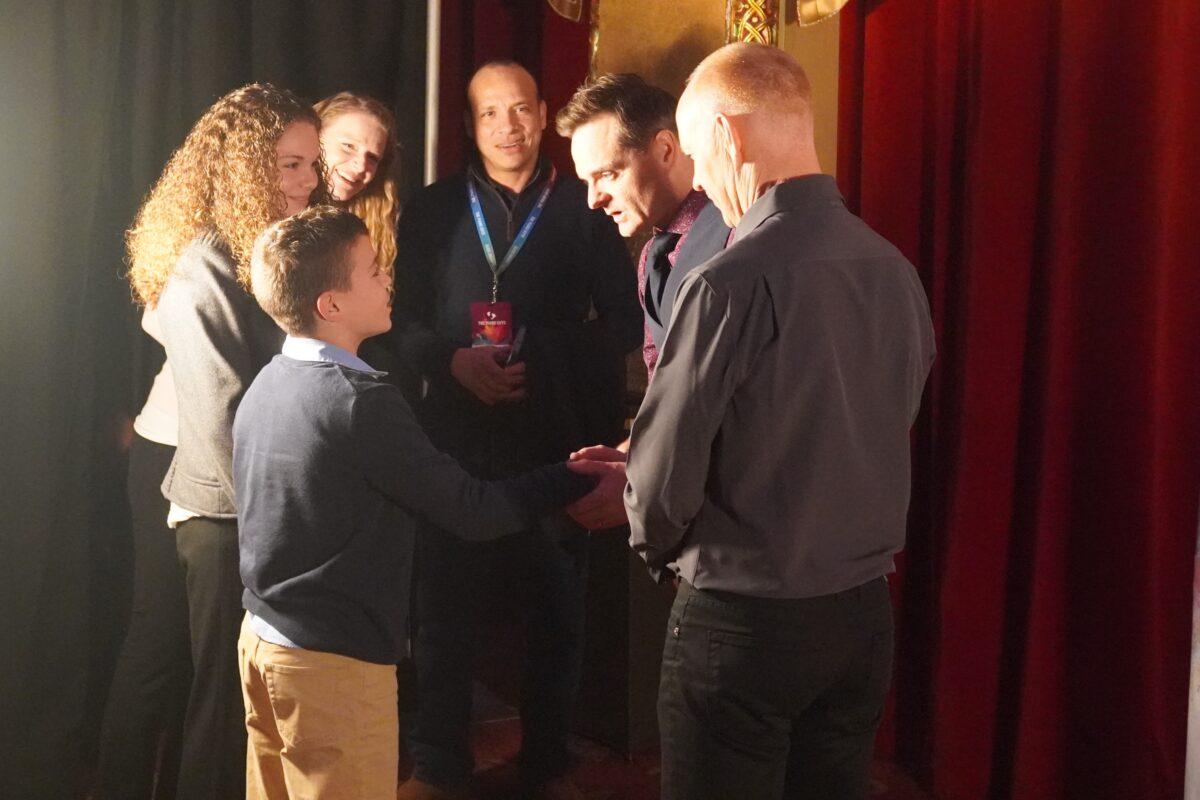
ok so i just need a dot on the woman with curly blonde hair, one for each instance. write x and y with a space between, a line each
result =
358 143
251 159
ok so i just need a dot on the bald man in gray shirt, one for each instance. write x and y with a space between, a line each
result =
769 463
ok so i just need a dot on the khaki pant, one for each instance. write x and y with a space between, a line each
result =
320 726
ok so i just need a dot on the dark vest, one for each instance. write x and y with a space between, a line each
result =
704 239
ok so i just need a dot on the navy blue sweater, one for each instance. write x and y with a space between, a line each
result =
330 473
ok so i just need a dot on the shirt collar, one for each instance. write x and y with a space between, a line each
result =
794 193
686 214
477 172
304 349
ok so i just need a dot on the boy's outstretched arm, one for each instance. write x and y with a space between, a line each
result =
401 462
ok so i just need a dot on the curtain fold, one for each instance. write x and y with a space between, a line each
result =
1037 162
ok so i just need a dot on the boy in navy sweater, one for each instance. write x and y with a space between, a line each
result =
330 472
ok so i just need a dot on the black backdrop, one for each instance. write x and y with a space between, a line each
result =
93 98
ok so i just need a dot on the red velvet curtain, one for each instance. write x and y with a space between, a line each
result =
1038 162
554 49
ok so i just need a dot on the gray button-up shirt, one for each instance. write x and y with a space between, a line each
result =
770 456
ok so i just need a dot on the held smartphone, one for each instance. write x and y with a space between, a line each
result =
514 352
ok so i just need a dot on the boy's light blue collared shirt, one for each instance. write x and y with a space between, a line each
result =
304 349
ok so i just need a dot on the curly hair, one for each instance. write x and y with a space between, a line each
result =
223 178
377 204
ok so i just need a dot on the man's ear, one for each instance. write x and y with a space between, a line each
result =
327 308
732 140
542 112
665 147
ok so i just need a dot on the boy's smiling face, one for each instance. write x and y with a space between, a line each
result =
366 305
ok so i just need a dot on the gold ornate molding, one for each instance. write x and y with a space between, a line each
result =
593 36
810 12
752 21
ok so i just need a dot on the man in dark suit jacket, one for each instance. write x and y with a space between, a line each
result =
768 467
626 149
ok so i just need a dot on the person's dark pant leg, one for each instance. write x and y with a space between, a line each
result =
213 762
833 738
722 735
769 699
146 702
446 576
554 557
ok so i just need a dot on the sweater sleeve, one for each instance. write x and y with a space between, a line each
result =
401 462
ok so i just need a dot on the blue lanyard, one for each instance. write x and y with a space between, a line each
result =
485 238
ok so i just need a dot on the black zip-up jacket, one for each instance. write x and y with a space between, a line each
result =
572 286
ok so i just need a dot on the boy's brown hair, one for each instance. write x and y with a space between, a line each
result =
298 258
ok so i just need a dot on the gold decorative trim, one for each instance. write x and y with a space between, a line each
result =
810 12
593 36
752 21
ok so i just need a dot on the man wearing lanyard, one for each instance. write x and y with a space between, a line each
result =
517 304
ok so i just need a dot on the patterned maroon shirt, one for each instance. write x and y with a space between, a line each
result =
681 223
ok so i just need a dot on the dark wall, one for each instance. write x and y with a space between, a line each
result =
94 98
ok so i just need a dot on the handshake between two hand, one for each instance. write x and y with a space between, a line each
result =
604 506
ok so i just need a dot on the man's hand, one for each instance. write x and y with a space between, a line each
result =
604 506
479 370
599 452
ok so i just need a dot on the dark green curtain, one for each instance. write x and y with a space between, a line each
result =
93 98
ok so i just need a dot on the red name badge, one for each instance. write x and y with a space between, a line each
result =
491 324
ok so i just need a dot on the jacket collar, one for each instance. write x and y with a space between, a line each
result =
477 173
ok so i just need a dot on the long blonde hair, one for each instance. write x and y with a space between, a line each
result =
377 204
223 179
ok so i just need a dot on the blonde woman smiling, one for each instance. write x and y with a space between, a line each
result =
358 143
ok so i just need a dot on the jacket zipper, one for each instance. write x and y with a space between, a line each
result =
510 223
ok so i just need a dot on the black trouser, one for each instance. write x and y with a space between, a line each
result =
213 764
146 702
547 567
773 698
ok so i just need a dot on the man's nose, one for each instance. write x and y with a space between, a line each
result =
596 198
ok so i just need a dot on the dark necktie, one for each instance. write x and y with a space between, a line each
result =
658 269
